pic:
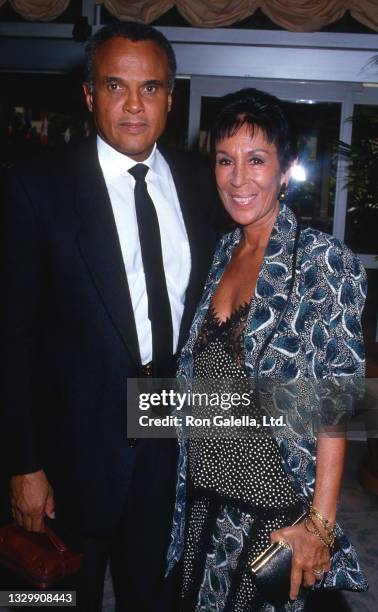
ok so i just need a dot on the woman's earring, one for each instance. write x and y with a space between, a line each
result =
282 193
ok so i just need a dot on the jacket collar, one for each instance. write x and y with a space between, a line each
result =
272 286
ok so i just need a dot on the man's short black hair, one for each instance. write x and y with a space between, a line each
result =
133 31
257 109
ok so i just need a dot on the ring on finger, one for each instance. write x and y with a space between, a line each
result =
319 573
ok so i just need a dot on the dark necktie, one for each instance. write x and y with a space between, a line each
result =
159 311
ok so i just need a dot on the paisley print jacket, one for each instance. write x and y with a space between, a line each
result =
319 338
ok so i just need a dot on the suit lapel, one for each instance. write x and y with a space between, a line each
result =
99 245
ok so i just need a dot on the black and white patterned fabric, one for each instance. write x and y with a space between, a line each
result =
239 491
317 344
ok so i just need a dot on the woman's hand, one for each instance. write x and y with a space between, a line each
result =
310 556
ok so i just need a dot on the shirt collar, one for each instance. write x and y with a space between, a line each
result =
114 164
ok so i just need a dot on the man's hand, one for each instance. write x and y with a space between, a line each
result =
32 498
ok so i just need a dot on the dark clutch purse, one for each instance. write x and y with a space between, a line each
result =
40 559
272 569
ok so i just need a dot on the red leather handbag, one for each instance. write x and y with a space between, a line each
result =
41 559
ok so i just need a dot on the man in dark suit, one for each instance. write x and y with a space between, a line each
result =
79 323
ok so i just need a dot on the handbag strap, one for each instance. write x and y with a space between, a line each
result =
55 540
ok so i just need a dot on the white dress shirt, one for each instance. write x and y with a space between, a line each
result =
174 239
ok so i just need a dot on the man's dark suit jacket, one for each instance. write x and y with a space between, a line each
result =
71 339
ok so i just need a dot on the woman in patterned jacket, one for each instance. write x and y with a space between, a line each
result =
281 304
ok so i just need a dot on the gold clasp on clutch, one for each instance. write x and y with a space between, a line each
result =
269 552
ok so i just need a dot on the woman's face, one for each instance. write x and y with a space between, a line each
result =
248 176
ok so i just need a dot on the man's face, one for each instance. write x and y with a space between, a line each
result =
130 97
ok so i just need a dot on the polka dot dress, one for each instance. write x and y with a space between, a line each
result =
238 490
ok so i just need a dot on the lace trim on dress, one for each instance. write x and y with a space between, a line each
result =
230 332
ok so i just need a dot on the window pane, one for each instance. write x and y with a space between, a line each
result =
318 126
361 229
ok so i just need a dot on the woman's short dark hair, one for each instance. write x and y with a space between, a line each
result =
135 32
256 108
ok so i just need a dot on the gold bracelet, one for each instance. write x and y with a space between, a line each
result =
315 531
331 532
325 522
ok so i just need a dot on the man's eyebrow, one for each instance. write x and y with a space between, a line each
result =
156 82
153 82
112 78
